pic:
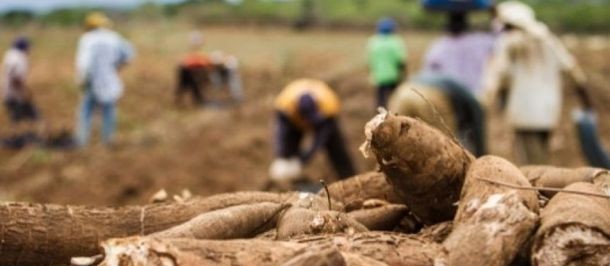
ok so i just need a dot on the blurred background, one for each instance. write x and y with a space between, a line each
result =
212 150
564 15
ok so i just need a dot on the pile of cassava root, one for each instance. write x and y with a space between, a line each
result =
432 203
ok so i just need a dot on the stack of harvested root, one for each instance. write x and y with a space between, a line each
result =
497 219
574 230
481 211
426 168
35 234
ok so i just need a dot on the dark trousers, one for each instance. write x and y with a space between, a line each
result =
590 142
289 145
384 91
533 145
190 80
21 110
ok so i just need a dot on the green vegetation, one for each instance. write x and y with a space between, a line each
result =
16 18
581 15
563 15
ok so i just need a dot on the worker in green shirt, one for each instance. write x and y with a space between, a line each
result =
387 59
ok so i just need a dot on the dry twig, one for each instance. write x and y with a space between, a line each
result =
544 189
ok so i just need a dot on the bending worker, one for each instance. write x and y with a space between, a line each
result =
192 71
451 77
198 70
308 105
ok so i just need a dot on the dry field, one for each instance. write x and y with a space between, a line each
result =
211 150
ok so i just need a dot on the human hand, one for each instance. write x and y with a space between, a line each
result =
283 169
584 114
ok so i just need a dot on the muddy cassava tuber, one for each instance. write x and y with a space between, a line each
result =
492 221
426 167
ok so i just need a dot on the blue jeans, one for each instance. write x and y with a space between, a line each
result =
384 91
590 142
88 106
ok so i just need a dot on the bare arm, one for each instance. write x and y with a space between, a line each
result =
496 80
322 133
585 97
571 67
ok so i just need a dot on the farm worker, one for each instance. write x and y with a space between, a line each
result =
225 74
460 55
453 66
192 70
438 95
17 95
308 106
527 65
101 54
387 57
197 69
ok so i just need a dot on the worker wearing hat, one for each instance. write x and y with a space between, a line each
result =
526 67
101 53
17 95
308 105
95 20
387 57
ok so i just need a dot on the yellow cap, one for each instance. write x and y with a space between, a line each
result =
96 20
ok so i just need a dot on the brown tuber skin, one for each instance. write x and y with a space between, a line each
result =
558 177
310 215
352 192
372 247
179 252
385 217
35 234
352 259
426 167
574 230
492 222
436 233
298 221
243 221
318 257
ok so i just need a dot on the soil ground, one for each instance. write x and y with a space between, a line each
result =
212 150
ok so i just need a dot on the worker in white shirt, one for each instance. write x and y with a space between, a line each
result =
17 96
527 69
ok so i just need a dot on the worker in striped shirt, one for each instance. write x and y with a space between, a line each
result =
101 54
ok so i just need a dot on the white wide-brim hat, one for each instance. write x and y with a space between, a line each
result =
521 16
